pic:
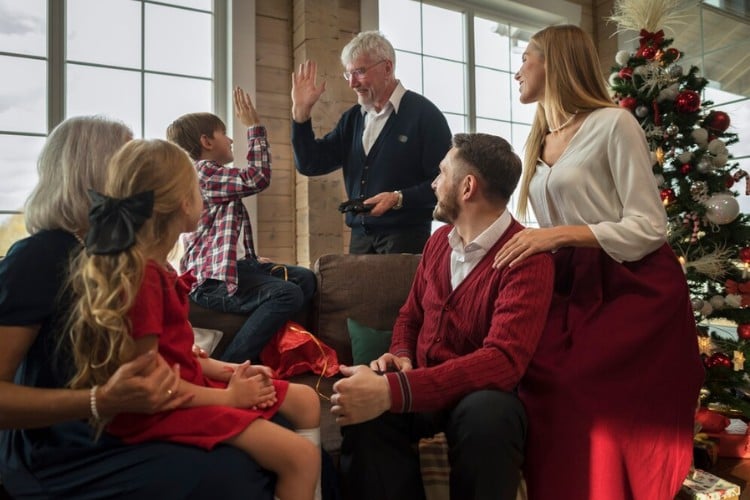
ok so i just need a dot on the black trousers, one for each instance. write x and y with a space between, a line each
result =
406 240
485 432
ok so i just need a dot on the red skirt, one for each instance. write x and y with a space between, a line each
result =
201 426
612 390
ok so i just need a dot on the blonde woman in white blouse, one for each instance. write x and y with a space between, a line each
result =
611 391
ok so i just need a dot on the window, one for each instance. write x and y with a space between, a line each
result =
143 62
714 38
464 62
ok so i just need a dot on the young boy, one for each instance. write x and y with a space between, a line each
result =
230 277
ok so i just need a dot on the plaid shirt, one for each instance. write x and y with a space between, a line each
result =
211 250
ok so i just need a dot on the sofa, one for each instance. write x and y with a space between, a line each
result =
369 289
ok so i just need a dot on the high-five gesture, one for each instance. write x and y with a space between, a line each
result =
305 91
244 109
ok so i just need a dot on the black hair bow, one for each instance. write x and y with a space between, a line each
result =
113 222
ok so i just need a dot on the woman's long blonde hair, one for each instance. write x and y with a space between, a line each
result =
105 286
573 84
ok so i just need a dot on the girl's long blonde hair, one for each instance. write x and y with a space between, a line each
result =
105 286
573 84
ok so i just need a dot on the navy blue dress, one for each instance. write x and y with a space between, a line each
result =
63 460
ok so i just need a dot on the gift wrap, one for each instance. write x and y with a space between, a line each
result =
702 485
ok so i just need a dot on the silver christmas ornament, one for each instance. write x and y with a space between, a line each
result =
722 208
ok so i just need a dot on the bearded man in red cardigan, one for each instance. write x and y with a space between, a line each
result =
460 345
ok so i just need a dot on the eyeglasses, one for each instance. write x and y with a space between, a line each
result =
360 72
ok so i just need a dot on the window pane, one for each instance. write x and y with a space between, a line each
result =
491 44
23 101
194 4
18 156
12 229
100 91
518 138
444 84
409 70
92 39
24 27
179 41
443 33
168 97
521 112
494 127
493 98
402 30
457 123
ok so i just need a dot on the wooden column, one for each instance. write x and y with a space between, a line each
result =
321 28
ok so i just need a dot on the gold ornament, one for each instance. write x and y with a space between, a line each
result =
705 346
660 155
739 361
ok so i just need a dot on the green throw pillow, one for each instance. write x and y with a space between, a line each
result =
368 344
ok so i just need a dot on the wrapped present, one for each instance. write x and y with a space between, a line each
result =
702 485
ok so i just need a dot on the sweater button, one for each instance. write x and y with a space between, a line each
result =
437 340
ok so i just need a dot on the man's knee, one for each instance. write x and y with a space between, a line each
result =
489 417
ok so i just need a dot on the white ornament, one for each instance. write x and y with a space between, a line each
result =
700 136
722 208
716 147
641 111
706 309
614 79
675 71
721 159
733 300
717 301
667 94
622 57
697 304
685 157
705 165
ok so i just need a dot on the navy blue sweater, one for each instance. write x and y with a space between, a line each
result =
405 157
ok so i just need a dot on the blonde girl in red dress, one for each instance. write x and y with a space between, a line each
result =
129 300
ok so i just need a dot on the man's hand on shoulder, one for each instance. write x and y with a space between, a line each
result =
361 396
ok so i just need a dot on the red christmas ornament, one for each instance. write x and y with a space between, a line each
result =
673 54
625 73
648 52
745 257
629 103
743 331
718 359
667 196
717 120
685 168
688 101
729 181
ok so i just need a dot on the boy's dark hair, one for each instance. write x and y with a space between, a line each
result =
493 159
186 131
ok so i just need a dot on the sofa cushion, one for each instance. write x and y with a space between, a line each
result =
370 289
367 343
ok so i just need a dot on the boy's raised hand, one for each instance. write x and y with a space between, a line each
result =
244 109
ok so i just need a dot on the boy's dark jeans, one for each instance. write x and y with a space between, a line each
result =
268 300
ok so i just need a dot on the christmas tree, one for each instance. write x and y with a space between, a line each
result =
697 180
